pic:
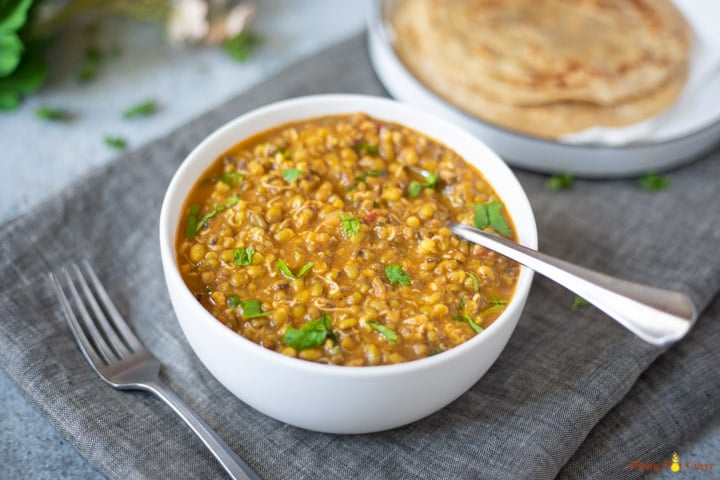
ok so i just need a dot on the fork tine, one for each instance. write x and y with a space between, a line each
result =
115 342
95 336
85 346
118 321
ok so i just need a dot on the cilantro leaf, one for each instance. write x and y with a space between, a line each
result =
473 325
11 49
312 334
241 46
54 114
475 282
579 303
192 224
198 224
490 214
388 333
291 174
231 178
285 270
26 78
115 142
653 182
559 181
233 301
415 187
141 110
243 256
497 219
396 275
370 173
366 147
253 309
350 225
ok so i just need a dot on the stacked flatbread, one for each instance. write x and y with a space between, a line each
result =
547 67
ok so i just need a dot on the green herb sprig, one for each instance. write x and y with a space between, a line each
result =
285 270
115 142
415 187
242 257
388 333
291 174
396 275
310 335
194 225
653 182
349 225
490 214
143 109
559 181
54 114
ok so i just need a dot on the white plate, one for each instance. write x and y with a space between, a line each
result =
680 139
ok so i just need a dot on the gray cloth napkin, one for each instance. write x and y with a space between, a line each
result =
573 393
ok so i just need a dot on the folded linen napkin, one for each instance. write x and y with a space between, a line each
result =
572 394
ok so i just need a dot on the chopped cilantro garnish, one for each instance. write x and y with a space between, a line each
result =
253 309
115 142
475 282
579 303
490 214
282 266
54 114
241 46
366 147
233 301
312 334
291 174
230 178
559 181
396 275
350 225
653 182
194 225
415 187
243 256
388 333
141 110
473 325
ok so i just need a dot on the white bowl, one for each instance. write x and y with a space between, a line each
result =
328 398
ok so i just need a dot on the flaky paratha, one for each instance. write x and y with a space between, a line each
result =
521 63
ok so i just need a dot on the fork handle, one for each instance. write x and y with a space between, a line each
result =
230 461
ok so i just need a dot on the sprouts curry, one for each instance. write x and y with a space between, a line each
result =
327 239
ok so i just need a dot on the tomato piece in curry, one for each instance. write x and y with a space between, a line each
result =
327 239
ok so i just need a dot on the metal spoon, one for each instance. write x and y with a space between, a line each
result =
656 315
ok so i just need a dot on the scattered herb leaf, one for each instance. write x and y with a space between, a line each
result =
285 270
475 282
141 110
350 225
241 46
243 256
312 334
396 275
231 178
388 333
233 301
490 214
192 224
474 325
366 147
653 182
415 187
559 181
579 303
291 174
115 142
198 224
253 309
370 173
480 217
54 114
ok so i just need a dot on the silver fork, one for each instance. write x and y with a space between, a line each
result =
121 360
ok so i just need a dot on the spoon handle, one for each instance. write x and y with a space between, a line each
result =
656 315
